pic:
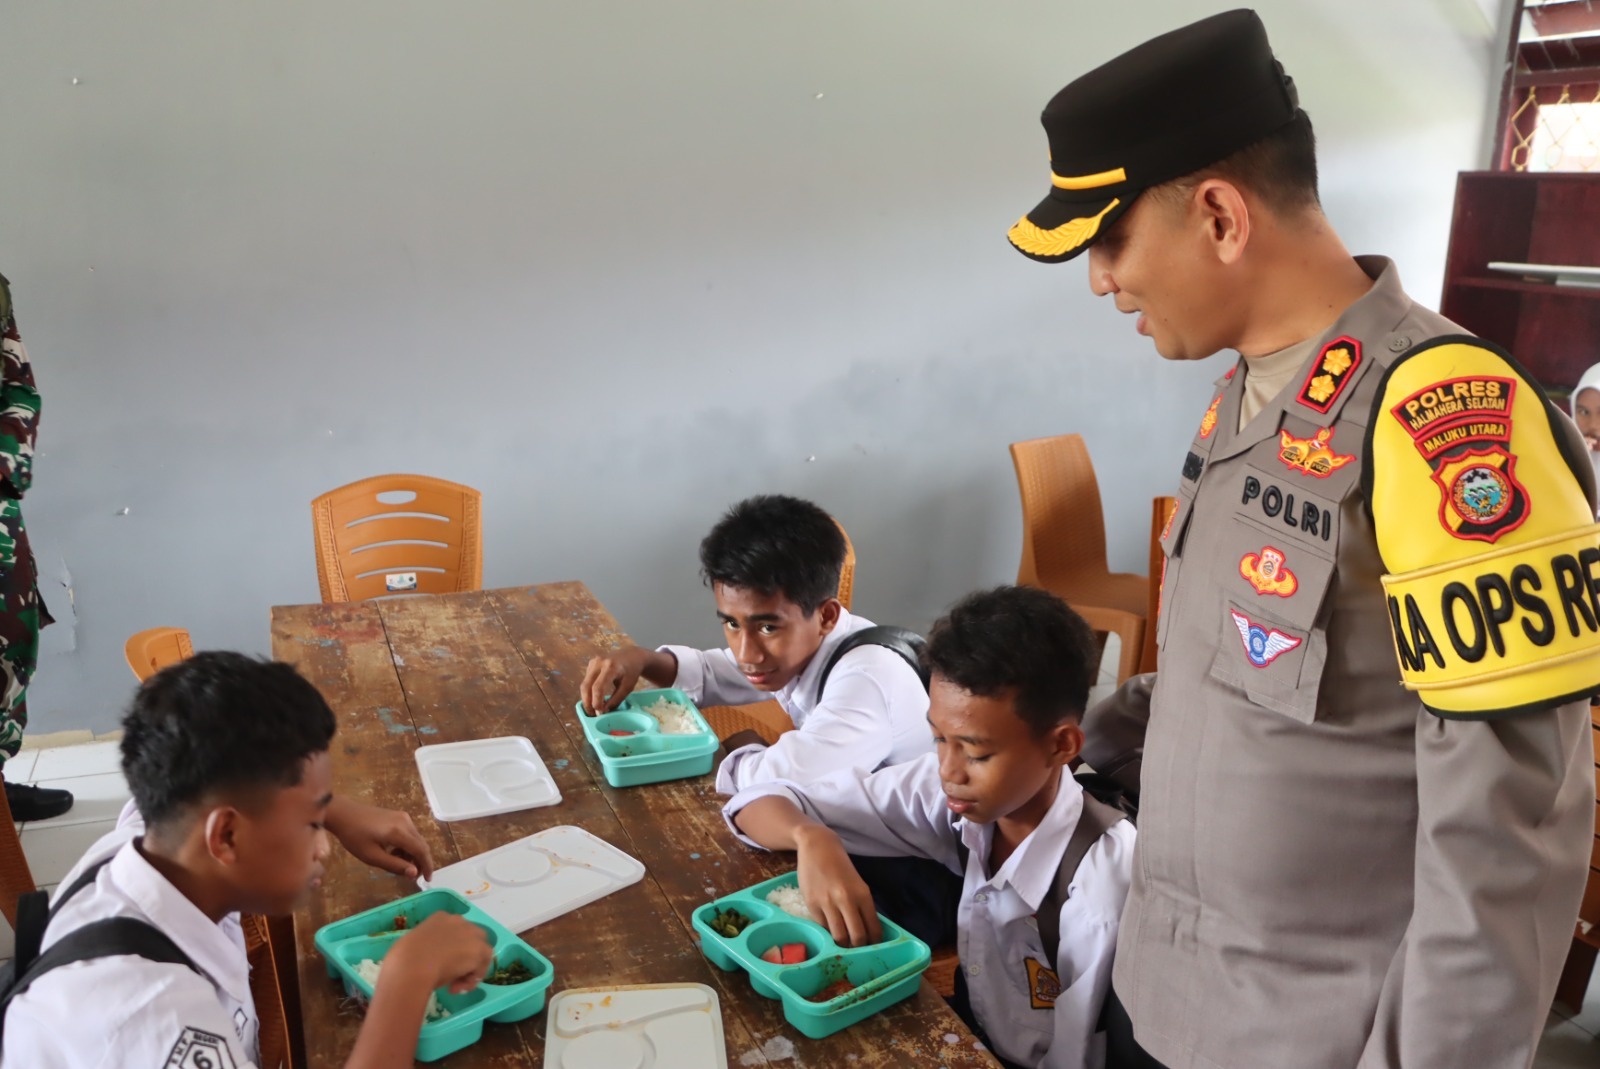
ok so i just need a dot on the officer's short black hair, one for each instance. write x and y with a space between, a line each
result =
1280 168
1019 639
219 725
774 544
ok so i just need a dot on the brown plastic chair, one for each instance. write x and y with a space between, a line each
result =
1064 543
366 547
847 574
148 652
151 650
1161 510
16 878
766 719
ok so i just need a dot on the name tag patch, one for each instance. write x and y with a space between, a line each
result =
1462 428
1262 645
1308 517
1266 572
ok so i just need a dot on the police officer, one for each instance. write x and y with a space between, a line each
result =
1365 762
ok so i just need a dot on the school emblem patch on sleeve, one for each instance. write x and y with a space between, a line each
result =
1266 572
199 1049
1462 428
1044 986
1335 368
1262 645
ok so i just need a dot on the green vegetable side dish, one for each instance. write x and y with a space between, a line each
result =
515 973
728 923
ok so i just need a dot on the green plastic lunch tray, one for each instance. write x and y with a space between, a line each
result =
368 936
883 974
646 754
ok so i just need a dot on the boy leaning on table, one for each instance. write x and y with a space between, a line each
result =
773 565
1010 678
227 761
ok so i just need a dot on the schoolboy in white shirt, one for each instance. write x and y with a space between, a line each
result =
773 565
227 760
1010 677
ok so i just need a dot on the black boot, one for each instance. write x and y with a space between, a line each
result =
36 803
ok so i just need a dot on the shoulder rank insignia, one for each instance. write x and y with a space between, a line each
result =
1311 456
1262 645
1462 427
1334 369
1208 422
1266 572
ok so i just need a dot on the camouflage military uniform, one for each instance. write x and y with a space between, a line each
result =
22 611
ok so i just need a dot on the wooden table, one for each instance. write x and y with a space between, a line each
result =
446 668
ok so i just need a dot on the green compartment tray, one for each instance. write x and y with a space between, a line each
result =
883 974
648 755
369 936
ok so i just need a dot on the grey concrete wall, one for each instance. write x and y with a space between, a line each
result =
616 264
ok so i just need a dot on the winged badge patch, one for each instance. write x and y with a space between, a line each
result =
1262 645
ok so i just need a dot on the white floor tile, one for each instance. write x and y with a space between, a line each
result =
1566 1046
20 768
52 852
91 759
95 799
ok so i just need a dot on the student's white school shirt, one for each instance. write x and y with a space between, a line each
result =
129 1011
901 811
874 711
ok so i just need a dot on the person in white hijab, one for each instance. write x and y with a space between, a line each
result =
1586 412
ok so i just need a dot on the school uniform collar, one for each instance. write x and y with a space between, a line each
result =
1031 869
206 942
804 686
1372 318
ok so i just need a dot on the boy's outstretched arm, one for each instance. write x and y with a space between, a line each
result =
443 951
383 838
833 889
611 676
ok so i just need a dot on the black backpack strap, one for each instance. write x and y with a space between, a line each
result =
907 643
113 937
34 914
1097 819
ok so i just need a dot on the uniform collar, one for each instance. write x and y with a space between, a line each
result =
209 944
1373 315
1031 869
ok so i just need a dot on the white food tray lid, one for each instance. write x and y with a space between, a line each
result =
527 882
645 1026
484 777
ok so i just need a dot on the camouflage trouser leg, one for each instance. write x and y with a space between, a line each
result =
19 653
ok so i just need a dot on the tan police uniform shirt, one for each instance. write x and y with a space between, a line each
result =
1327 875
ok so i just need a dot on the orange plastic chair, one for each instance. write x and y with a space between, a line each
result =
1161 510
1064 543
427 538
153 649
847 574
766 719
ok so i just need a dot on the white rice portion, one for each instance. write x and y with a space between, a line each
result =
673 718
789 899
368 970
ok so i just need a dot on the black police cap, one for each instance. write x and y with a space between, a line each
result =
1165 109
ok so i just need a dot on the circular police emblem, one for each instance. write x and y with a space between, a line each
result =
1481 493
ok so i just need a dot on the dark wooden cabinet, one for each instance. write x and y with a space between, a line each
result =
1537 218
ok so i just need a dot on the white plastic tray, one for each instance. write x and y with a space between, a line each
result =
648 1026
525 883
483 777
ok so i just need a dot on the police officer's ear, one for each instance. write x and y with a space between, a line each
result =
1222 209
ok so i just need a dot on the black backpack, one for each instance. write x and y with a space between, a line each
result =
100 939
907 643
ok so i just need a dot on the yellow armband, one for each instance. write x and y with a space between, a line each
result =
1492 550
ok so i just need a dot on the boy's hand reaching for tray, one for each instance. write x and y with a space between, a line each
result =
383 838
833 890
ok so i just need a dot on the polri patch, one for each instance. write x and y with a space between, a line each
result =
1262 645
1044 986
1266 571
199 1049
1312 456
1334 369
1462 428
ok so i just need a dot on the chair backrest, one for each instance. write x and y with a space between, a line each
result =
398 534
151 650
1063 529
1161 510
847 574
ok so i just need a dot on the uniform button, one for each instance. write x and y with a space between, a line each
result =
974 970
1399 343
980 897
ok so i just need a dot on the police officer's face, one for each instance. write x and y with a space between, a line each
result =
992 763
1159 262
771 638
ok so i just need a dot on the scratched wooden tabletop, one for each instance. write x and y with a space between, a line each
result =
410 672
